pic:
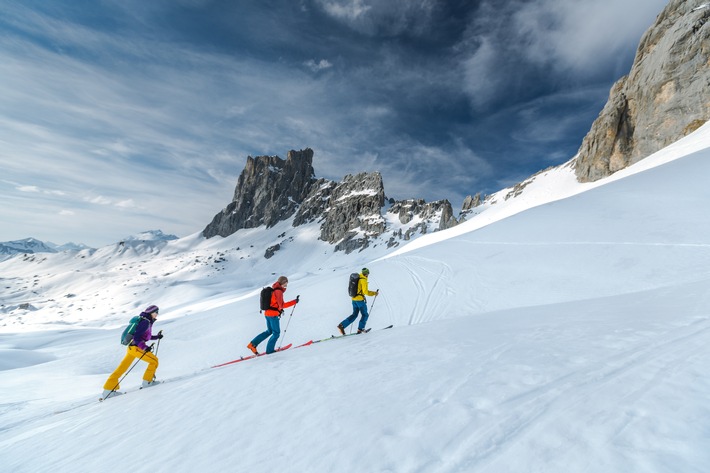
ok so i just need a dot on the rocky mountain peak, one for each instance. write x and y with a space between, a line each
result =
349 212
664 97
269 190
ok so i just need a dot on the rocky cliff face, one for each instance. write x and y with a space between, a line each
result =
269 190
665 96
349 212
352 214
409 210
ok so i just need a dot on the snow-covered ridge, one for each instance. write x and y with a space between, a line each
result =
32 245
151 235
555 184
27 245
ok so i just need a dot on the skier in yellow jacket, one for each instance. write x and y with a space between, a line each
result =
359 304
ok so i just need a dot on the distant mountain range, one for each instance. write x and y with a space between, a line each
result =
28 245
32 245
151 235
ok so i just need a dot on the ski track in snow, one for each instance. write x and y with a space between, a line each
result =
432 282
531 413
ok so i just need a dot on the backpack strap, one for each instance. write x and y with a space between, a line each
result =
271 307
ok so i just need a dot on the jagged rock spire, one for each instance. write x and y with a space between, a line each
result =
268 190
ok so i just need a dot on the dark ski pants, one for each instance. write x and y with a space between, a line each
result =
361 307
273 328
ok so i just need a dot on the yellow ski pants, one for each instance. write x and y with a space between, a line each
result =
132 353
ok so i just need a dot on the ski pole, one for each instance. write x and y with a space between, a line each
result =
372 307
156 348
124 376
158 345
288 322
373 302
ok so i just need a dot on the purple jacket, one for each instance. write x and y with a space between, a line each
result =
144 331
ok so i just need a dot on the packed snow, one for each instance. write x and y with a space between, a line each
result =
563 330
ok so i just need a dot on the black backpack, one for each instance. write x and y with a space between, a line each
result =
352 284
265 299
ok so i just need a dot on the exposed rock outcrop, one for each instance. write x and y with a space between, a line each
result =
665 96
268 191
471 202
407 210
353 213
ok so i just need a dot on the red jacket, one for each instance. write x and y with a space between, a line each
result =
277 300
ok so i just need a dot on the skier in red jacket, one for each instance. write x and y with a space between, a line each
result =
273 315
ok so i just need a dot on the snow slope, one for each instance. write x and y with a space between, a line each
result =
568 336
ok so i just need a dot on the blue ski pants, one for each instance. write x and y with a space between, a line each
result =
361 307
273 328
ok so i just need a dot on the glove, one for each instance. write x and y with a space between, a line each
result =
159 336
149 348
298 298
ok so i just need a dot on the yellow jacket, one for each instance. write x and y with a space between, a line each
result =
362 289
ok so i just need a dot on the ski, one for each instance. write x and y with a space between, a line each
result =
244 358
161 381
334 337
111 395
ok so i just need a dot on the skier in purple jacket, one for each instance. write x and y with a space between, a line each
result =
138 349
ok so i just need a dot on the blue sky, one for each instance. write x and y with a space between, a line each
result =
119 116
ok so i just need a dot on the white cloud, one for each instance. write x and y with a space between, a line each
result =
119 147
318 66
36 189
66 212
28 189
563 39
126 204
479 74
581 35
377 111
348 10
386 18
121 204
99 200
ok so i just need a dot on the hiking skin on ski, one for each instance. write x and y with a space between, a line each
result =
335 337
250 357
